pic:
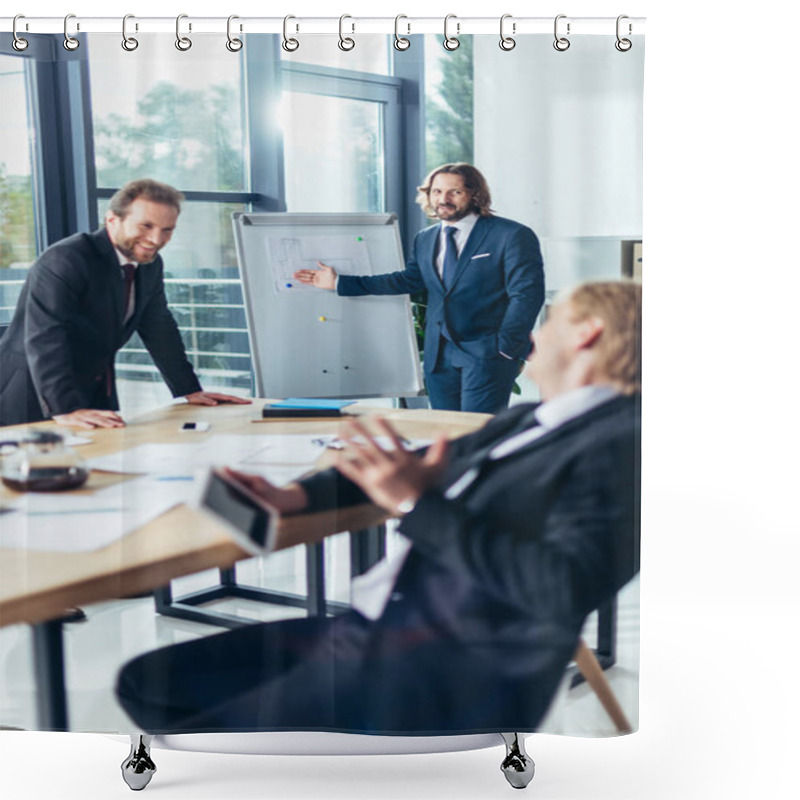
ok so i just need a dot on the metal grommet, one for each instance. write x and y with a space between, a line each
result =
561 43
400 42
507 42
183 43
345 42
128 42
451 42
623 45
70 42
19 44
289 44
233 44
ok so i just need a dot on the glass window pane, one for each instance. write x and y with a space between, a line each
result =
333 153
371 53
17 227
162 120
449 102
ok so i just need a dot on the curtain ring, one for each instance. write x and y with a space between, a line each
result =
70 42
233 44
400 42
183 43
561 43
451 42
289 44
507 42
128 42
623 45
19 44
345 42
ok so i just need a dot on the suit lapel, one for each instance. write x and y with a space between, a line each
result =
475 240
428 256
112 276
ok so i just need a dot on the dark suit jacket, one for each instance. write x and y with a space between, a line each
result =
489 605
68 327
493 300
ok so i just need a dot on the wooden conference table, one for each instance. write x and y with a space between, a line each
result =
38 587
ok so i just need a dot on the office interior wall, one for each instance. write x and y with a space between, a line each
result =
559 137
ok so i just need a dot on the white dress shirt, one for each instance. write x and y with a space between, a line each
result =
463 228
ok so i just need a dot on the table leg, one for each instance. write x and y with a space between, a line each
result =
48 660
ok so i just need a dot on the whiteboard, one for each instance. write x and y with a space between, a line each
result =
309 342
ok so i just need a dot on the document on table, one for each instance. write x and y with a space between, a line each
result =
72 523
231 450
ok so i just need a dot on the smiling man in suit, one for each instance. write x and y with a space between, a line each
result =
484 280
84 298
511 536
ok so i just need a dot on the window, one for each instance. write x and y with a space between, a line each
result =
17 221
184 127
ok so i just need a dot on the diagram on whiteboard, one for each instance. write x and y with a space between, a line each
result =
346 253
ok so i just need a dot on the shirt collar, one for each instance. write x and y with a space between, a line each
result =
464 225
572 404
123 260
554 413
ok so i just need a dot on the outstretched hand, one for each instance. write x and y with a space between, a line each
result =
390 477
323 277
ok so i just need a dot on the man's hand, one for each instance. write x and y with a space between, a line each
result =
324 277
390 477
213 399
90 418
286 499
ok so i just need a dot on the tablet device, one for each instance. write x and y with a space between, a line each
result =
248 519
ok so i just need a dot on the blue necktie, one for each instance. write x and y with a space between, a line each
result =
450 256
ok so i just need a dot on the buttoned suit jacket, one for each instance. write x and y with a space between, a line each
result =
58 353
493 299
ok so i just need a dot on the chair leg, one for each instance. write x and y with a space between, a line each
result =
138 768
595 677
517 766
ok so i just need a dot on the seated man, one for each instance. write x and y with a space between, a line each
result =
513 535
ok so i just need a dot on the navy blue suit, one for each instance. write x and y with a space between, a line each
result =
485 613
489 308
58 353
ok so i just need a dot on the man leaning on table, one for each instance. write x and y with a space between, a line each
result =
83 299
511 536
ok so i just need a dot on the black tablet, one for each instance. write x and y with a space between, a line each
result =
248 519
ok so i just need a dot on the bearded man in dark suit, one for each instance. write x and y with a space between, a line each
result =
83 299
511 536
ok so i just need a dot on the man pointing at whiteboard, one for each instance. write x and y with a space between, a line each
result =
485 283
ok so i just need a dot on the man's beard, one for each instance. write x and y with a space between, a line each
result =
455 215
127 249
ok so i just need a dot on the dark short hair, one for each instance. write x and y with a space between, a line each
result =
474 182
151 190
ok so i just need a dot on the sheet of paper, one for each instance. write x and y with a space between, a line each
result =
174 459
346 253
72 523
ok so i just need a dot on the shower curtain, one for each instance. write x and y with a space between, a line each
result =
251 124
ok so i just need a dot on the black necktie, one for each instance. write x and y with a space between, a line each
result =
128 275
450 256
